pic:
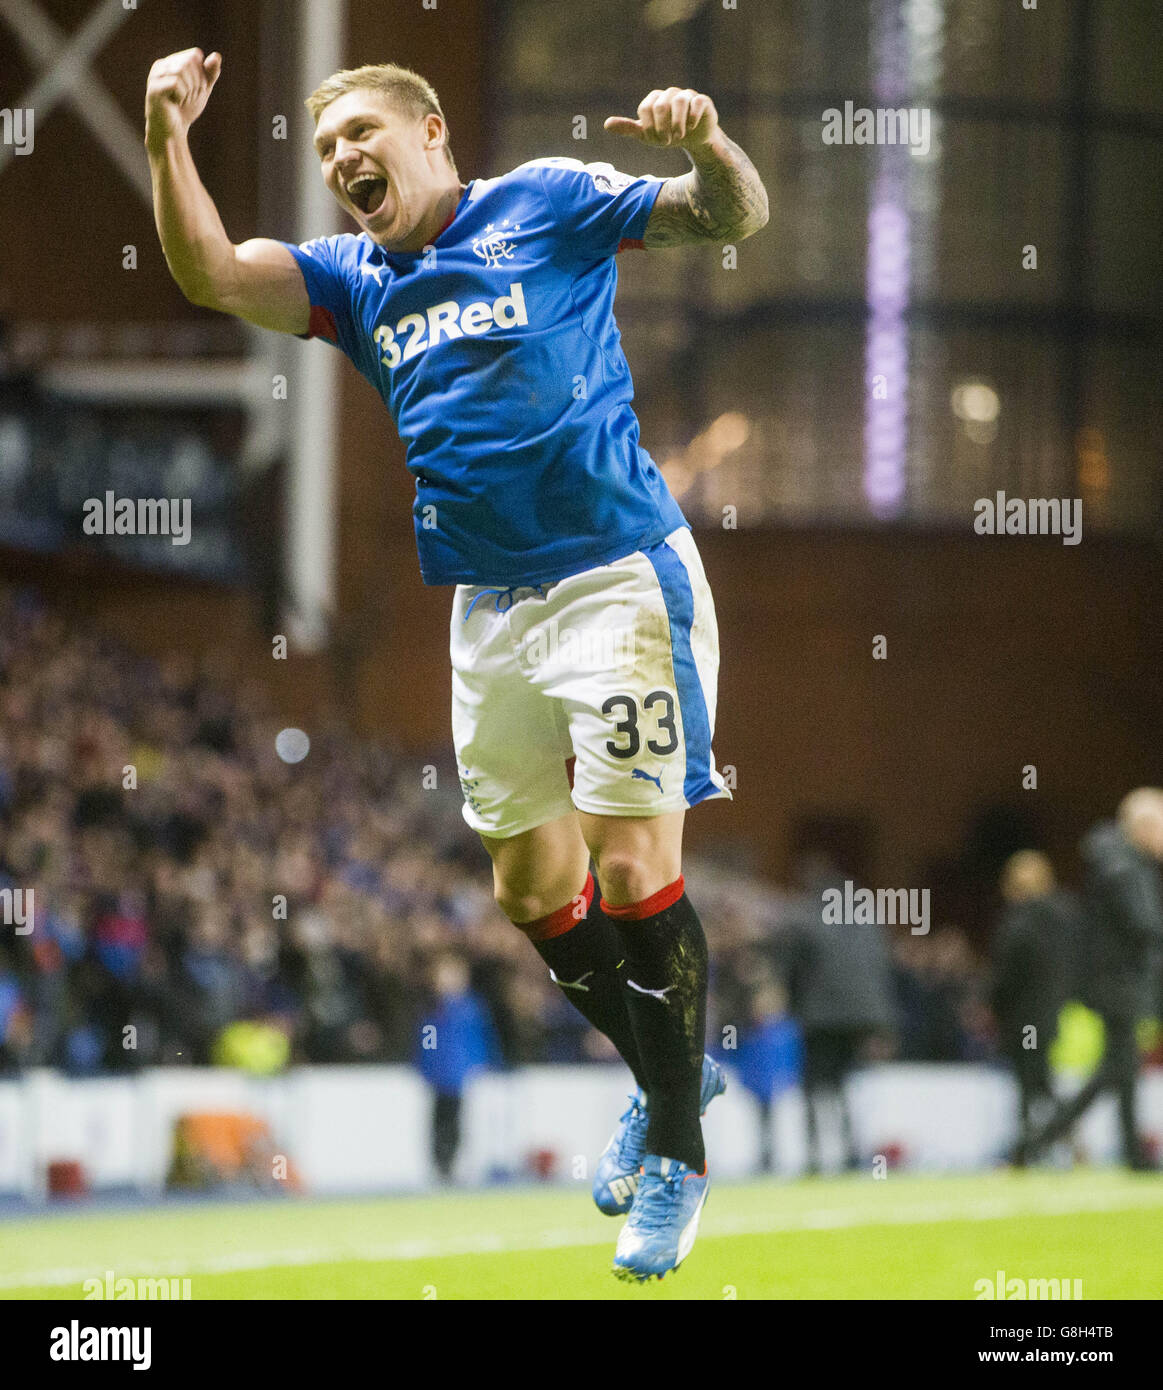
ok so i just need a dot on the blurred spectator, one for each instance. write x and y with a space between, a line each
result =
941 995
211 978
768 1057
840 987
1035 972
1123 941
15 1020
456 1040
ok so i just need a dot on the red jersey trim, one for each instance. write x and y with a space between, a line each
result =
321 324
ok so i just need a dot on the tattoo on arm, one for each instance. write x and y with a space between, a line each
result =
722 198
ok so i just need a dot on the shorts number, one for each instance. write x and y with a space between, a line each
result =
629 725
665 721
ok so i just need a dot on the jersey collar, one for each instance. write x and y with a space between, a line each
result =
405 259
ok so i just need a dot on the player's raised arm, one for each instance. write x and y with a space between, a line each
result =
257 280
722 198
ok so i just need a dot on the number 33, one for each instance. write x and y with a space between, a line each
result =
628 726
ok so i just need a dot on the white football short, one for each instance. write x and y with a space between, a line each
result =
614 667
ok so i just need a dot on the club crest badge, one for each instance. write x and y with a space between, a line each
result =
495 246
608 180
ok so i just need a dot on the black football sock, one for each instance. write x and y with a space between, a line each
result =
665 975
583 955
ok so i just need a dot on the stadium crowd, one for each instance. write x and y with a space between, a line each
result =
229 907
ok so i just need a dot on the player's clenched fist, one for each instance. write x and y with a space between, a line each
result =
677 116
177 91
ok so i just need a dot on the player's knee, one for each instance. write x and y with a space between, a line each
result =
520 905
627 877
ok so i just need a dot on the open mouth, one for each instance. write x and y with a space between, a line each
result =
367 192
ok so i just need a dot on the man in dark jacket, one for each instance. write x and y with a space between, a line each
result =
1035 972
840 986
1124 938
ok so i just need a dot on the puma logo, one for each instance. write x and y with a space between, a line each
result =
623 1189
573 984
646 777
659 994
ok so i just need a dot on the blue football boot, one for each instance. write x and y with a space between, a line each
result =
616 1176
663 1221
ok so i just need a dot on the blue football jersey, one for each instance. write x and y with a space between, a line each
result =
497 354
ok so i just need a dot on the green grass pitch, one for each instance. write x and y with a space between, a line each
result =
900 1237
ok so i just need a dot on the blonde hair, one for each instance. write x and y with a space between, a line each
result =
406 91
1143 805
1027 874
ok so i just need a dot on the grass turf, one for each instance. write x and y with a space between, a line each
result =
898 1238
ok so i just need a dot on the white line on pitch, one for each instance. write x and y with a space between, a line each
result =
821 1219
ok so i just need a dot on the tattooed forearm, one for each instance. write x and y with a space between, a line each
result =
722 198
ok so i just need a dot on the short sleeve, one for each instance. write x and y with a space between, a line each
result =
328 289
598 209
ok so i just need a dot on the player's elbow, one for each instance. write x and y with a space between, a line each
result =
758 217
210 286
198 288
201 294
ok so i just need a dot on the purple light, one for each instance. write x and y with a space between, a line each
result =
886 348
886 345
